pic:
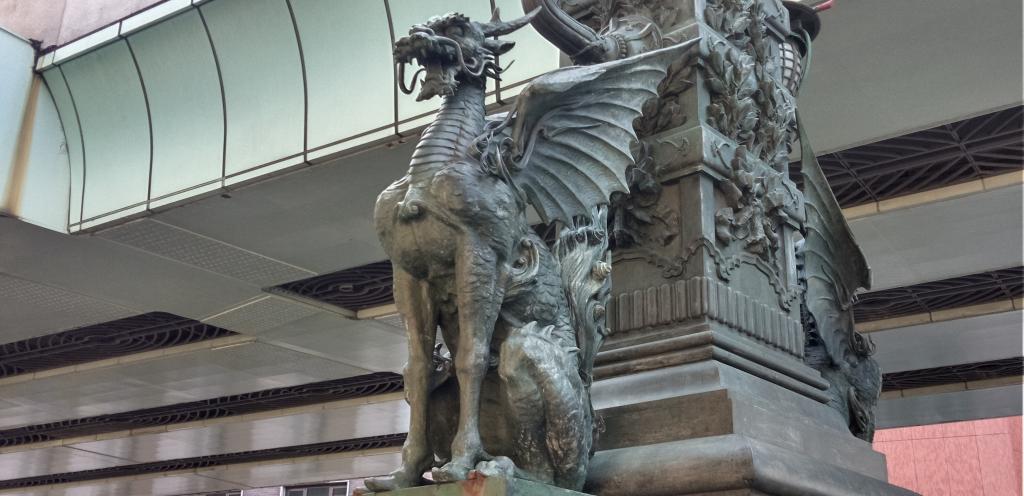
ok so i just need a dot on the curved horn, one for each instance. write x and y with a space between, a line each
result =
497 27
572 37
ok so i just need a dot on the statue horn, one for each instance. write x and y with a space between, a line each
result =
497 27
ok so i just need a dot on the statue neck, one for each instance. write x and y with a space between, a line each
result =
458 123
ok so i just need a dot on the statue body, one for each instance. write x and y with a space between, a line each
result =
465 258
521 321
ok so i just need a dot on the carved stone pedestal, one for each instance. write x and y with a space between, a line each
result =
703 412
483 486
706 384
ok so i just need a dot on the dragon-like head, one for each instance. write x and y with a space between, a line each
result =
451 49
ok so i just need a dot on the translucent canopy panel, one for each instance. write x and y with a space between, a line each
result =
263 82
72 141
115 128
347 50
190 97
185 107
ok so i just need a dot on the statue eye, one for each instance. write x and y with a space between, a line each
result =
454 31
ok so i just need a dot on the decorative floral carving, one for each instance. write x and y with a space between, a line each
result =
757 42
667 111
748 104
776 106
774 127
731 18
755 198
732 82
637 219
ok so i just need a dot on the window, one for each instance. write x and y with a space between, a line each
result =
331 489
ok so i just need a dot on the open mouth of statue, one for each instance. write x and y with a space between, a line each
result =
441 61
437 81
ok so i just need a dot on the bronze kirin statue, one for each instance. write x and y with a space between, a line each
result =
522 322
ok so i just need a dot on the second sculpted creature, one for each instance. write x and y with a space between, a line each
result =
522 321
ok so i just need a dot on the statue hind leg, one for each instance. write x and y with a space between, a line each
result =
550 405
414 303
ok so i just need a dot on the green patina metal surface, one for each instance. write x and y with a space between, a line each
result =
483 486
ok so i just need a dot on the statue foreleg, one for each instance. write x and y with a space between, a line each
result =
414 303
479 293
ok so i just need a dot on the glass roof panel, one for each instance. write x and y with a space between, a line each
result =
262 76
347 49
180 75
72 139
112 110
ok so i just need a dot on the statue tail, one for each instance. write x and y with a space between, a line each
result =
582 251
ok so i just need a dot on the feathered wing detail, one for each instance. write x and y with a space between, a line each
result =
834 268
566 144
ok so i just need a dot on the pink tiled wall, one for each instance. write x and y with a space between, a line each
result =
974 458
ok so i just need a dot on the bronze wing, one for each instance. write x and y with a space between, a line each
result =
566 144
835 266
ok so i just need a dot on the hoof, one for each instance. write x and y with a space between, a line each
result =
451 472
395 480
501 467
